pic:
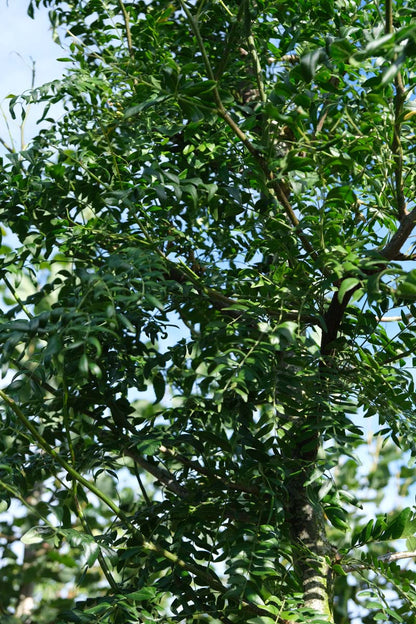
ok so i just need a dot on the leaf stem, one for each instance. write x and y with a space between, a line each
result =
17 298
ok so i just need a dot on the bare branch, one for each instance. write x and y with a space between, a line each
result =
258 72
392 319
396 556
386 558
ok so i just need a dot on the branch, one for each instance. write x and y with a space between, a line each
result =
10 148
256 62
396 556
407 223
387 558
180 273
161 474
399 356
240 487
405 257
16 297
391 319
6 146
388 26
396 146
127 25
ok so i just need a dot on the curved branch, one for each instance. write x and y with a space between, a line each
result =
392 249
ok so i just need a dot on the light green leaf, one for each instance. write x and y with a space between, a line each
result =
38 534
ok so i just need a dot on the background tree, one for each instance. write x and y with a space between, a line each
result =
201 256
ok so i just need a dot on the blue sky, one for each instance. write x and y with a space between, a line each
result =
24 39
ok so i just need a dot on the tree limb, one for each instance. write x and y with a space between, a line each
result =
160 474
386 558
396 146
392 249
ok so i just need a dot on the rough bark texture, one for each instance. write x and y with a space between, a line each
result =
313 553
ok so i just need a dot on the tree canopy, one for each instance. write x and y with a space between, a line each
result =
208 287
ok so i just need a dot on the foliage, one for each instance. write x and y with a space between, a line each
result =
200 260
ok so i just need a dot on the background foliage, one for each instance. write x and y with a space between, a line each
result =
201 260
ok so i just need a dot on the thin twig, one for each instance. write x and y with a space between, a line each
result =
387 558
8 147
17 298
22 125
127 26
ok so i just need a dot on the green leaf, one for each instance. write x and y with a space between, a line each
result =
310 61
199 88
337 517
346 285
38 534
407 287
399 526
159 387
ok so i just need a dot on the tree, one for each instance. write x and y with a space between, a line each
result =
202 259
